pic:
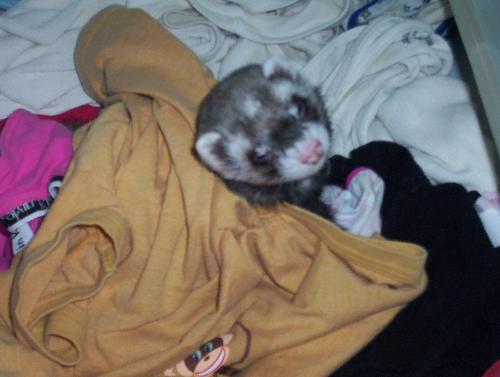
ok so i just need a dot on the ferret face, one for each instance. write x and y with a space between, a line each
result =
263 125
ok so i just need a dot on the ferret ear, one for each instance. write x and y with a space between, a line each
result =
206 148
276 67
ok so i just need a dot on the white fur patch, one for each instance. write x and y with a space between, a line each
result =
251 106
205 146
283 90
290 167
242 169
293 110
238 147
316 130
273 65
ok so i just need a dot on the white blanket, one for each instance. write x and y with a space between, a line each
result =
37 40
281 22
386 81
229 34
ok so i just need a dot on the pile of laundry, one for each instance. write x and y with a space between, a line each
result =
383 80
410 158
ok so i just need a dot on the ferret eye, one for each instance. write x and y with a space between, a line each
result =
261 156
300 106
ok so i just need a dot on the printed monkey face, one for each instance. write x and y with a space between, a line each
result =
205 361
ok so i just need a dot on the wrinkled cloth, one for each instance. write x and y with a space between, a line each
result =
386 81
201 35
34 156
145 254
37 40
72 117
224 51
292 30
493 371
356 208
273 23
436 119
460 305
6 4
433 12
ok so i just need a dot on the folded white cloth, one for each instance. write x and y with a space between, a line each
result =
277 21
362 68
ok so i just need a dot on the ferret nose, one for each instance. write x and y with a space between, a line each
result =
311 152
261 156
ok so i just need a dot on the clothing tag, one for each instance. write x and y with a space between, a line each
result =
21 231
21 237
25 211
17 221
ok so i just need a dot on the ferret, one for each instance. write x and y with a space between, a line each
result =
265 131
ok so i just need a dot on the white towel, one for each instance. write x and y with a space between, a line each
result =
362 68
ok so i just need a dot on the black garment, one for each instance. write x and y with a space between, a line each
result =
453 328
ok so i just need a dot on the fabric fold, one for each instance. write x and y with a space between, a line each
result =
274 25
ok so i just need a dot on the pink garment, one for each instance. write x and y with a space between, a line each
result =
494 370
34 156
75 116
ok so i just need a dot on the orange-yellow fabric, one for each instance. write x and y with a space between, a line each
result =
145 254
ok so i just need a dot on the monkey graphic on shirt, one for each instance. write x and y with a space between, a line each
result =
203 362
